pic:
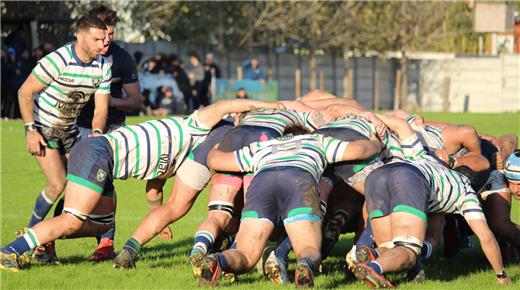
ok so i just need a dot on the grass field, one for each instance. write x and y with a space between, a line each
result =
164 264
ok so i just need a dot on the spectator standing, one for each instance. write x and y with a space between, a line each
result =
252 70
199 87
210 65
15 73
182 80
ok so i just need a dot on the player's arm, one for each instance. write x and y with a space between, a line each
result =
212 114
489 246
316 95
397 125
131 102
31 86
361 149
223 161
323 103
100 112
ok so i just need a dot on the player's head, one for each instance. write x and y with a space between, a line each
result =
90 33
296 129
512 173
109 17
476 179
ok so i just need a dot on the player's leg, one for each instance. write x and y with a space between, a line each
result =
497 208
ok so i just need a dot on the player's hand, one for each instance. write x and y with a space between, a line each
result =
35 144
166 234
505 280
96 134
419 120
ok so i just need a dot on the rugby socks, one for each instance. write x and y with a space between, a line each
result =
110 234
22 244
307 261
203 241
366 237
133 247
41 208
221 259
282 250
427 249
323 207
375 266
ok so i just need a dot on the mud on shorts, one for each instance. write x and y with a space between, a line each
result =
397 187
58 139
194 170
285 194
91 164
235 139
350 172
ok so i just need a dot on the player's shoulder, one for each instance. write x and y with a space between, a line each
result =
119 53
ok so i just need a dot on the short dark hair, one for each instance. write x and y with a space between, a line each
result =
295 129
89 21
105 13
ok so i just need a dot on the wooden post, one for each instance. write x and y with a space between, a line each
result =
350 78
297 83
240 74
397 92
377 89
269 74
322 80
446 95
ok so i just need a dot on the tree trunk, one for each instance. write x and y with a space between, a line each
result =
404 81
347 81
313 66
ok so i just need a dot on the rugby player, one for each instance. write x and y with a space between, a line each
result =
50 100
152 151
284 189
401 193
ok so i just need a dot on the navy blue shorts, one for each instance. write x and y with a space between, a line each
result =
397 187
58 139
91 164
285 194
200 154
244 135
346 169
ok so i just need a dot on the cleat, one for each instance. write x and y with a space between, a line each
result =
365 254
416 273
303 277
211 272
9 262
228 278
124 260
351 259
21 232
275 270
196 263
104 251
368 276
46 254
260 266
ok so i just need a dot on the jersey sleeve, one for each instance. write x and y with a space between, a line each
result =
334 149
49 68
244 157
413 149
195 127
104 87
471 208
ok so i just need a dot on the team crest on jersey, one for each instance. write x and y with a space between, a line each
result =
101 175
77 96
96 80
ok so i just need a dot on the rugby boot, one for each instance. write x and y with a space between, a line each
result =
196 260
125 259
260 265
24 259
275 270
104 251
46 254
365 254
417 273
368 276
211 272
9 262
331 235
303 276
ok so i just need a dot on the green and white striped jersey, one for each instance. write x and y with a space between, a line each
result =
450 191
360 125
69 84
278 119
310 152
154 148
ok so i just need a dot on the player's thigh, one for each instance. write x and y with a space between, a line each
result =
80 198
407 224
252 237
53 165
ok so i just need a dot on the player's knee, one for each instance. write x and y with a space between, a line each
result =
55 187
74 220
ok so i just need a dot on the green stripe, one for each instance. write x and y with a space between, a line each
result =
190 124
396 149
83 76
299 210
458 189
39 79
375 214
50 104
48 57
471 200
250 214
315 147
69 50
411 210
181 133
137 150
245 158
84 182
358 167
116 154
31 236
157 133
104 88
58 90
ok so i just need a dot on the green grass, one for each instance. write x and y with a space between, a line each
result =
164 264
